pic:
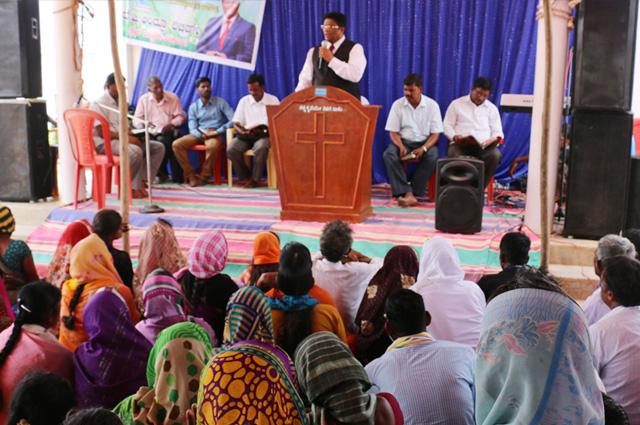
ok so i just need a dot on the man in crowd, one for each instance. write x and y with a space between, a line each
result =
474 115
228 36
514 254
432 380
165 115
608 246
209 117
341 64
251 122
342 271
616 337
414 125
137 161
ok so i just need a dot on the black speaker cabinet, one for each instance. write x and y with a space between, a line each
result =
24 151
459 195
633 208
598 173
20 73
605 49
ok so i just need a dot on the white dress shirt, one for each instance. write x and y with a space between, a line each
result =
616 348
250 113
415 124
350 71
465 118
594 308
346 283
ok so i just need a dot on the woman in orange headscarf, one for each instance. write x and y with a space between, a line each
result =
91 269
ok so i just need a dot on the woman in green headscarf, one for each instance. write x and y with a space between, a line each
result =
173 375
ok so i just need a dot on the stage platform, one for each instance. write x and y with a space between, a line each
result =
241 213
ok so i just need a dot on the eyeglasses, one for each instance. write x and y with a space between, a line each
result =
329 27
482 95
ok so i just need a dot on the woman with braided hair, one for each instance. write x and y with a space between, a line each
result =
91 269
27 346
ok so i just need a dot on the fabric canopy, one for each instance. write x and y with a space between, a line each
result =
448 42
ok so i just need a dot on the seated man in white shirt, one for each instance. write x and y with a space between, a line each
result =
250 121
616 337
608 246
432 380
342 271
137 160
414 125
474 115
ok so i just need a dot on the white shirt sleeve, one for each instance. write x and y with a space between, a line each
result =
495 123
450 118
352 70
305 79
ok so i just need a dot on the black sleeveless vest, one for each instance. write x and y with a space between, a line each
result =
324 76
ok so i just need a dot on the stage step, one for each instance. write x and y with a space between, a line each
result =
576 252
29 215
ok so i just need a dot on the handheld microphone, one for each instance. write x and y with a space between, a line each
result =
77 103
326 45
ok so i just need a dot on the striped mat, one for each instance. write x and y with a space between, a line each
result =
241 213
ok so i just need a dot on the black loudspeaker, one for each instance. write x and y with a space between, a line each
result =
24 151
459 195
605 49
598 173
21 71
633 208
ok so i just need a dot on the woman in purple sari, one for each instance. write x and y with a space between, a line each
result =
112 364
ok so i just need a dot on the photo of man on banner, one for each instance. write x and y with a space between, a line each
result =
228 36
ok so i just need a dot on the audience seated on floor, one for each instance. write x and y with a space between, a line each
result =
342 271
432 380
608 246
16 260
91 269
266 254
164 305
27 346
533 334
297 315
111 364
41 398
173 377
400 270
264 394
205 286
108 225
456 305
58 270
514 254
337 384
616 336
159 248
248 317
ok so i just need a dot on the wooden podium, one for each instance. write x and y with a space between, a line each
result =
322 138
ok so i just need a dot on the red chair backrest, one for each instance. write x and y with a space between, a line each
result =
80 124
636 134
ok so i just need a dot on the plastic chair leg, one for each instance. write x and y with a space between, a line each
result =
76 185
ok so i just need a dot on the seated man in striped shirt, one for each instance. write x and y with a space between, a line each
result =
432 380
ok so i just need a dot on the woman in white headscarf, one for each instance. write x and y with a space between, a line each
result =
456 305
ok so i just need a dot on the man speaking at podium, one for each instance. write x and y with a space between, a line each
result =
337 62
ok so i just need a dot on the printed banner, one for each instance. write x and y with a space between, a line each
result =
221 31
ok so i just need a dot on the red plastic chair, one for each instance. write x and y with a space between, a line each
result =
222 159
80 124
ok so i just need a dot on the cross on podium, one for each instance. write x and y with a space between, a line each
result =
320 138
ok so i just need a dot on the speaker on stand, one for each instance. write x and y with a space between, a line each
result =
459 195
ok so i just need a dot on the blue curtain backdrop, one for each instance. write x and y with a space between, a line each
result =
448 42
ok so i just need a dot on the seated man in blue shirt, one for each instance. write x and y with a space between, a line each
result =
209 117
432 380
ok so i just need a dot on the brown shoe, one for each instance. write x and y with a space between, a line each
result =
137 194
193 181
